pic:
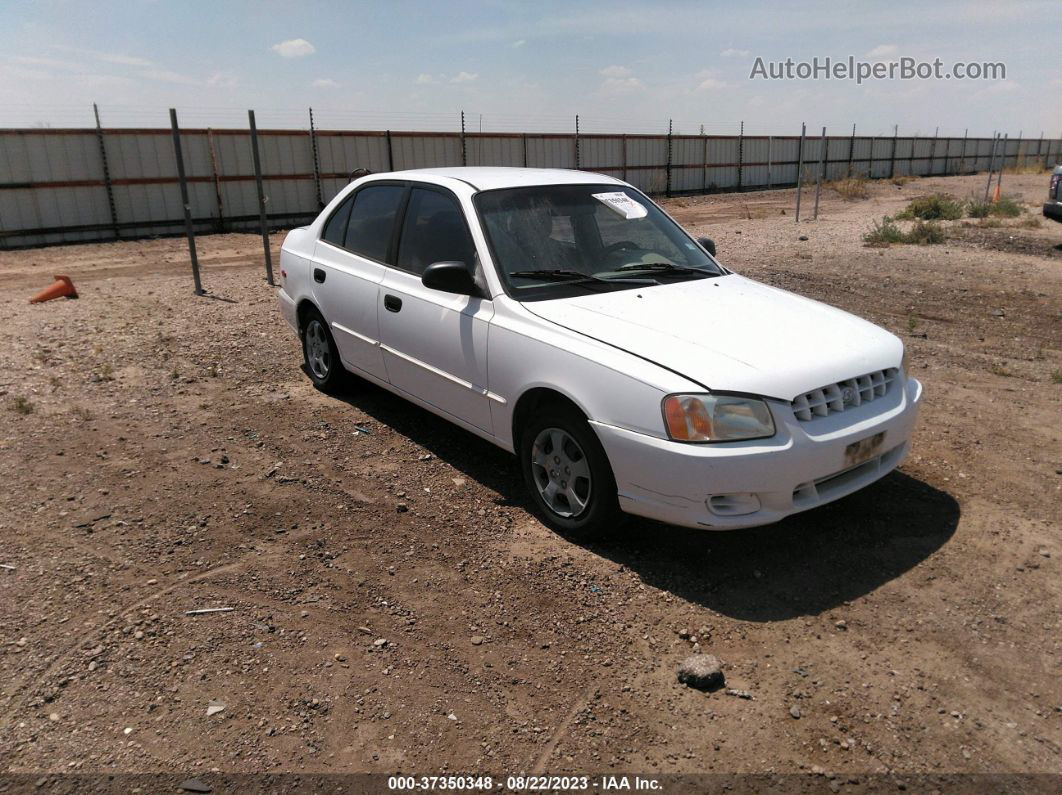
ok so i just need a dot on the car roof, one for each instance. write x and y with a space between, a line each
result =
492 178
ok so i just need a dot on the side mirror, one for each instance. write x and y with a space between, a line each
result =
708 243
450 277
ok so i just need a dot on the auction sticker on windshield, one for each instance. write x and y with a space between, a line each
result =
622 204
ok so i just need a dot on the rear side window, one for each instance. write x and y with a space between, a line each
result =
434 231
336 228
372 220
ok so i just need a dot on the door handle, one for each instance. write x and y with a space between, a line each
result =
392 303
319 275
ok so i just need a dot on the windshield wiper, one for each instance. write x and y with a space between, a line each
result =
571 277
664 266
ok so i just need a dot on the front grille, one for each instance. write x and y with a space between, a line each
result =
843 395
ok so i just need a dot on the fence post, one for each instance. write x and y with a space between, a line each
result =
390 153
824 147
704 167
800 169
1017 152
577 140
523 139
623 142
851 151
189 231
263 222
217 179
910 157
668 190
991 165
1040 145
316 162
933 153
1002 164
770 156
741 154
962 157
464 153
892 157
106 172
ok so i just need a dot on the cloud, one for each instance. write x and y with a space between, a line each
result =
622 85
108 57
730 52
167 76
615 72
707 81
294 48
464 77
324 82
519 43
425 79
222 80
881 51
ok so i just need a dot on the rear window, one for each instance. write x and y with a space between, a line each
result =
336 228
372 219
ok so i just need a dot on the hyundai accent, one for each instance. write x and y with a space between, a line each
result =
565 317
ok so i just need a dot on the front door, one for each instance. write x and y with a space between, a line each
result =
434 343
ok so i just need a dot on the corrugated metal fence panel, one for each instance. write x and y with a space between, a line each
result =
485 150
53 179
431 151
602 153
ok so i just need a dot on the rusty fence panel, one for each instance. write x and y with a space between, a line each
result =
54 187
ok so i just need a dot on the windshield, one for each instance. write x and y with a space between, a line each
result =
555 241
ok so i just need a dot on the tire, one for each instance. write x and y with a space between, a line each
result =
320 355
572 489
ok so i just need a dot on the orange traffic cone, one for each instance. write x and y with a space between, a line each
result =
995 195
61 288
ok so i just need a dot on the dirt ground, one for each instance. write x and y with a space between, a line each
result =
395 605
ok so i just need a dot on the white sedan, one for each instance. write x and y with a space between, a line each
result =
566 318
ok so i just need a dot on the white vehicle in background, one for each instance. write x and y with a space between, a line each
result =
566 318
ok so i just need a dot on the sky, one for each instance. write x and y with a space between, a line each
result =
621 66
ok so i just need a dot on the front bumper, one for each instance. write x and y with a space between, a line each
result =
1053 210
761 481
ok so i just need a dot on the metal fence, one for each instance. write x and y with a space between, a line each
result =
75 185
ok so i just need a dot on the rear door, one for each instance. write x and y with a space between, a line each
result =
435 343
350 259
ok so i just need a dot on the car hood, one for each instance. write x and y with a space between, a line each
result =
730 333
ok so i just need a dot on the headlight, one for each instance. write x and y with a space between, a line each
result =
905 363
716 418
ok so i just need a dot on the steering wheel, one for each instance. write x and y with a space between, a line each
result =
622 245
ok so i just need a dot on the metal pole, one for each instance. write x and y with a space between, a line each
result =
770 153
1002 165
217 180
800 169
179 157
262 220
106 172
741 154
892 157
824 146
577 140
464 153
1040 145
316 162
669 123
962 157
933 153
524 140
390 153
991 165
910 157
624 142
1017 152
851 150
704 169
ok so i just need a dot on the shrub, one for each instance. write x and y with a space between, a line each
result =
1006 207
884 234
21 405
902 179
924 233
852 187
935 207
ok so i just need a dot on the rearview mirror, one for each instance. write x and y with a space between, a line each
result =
449 277
708 243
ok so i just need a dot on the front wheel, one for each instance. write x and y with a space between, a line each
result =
568 475
321 355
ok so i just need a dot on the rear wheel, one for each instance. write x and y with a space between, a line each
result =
320 354
568 475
